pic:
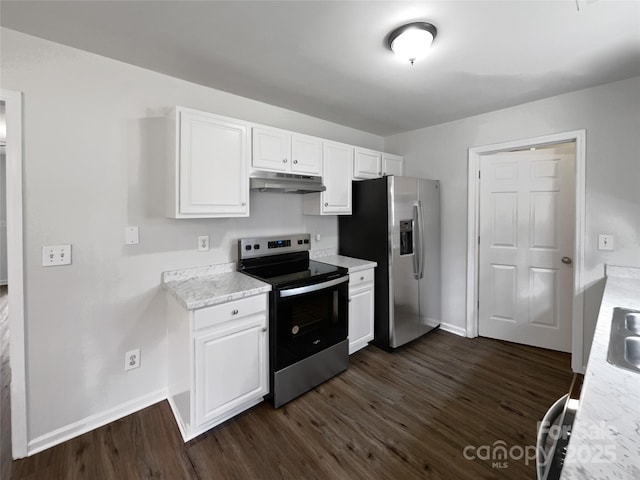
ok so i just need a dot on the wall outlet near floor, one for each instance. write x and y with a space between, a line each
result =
203 243
56 255
605 242
132 359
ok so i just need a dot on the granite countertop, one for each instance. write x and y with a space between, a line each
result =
608 418
350 263
201 287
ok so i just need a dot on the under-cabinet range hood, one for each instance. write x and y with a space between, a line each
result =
285 182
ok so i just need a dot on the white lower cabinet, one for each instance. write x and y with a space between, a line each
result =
218 361
361 309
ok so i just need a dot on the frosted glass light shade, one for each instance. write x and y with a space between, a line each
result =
412 42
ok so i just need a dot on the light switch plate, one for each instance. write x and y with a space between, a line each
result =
56 255
132 236
605 242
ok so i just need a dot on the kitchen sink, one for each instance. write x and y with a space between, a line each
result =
624 342
632 351
632 322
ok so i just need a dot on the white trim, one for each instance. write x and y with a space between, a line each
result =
15 271
579 137
92 422
455 329
176 415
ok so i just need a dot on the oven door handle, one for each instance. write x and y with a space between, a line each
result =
312 288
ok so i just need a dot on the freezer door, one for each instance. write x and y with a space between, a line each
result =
429 255
403 291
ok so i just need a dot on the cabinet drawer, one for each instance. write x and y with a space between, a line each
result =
224 312
358 278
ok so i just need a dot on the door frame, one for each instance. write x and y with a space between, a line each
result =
15 271
473 229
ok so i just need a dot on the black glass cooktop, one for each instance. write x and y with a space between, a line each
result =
293 270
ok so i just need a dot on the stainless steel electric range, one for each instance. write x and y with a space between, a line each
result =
308 313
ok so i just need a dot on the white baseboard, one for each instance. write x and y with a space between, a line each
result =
447 327
92 422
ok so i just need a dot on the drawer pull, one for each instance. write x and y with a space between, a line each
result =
234 311
264 329
361 278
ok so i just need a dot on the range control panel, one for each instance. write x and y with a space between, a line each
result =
263 246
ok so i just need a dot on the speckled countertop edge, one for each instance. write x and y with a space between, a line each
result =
202 287
609 412
350 263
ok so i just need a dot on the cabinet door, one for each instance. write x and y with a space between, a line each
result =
366 164
230 367
214 180
392 164
271 149
306 154
337 172
360 317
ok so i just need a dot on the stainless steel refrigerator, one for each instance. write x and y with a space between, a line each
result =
396 222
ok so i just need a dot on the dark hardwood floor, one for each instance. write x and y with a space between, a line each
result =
402 415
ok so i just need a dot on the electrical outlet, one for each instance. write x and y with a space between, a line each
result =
56 255
605 242
132 359
203 243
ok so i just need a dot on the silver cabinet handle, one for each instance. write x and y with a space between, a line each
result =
264 329
361 278
295 161
567 260
284 160
234 312
326 204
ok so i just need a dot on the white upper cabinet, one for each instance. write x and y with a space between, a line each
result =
367 164
271 149
282 151
306 153
210 173
392 164
336 176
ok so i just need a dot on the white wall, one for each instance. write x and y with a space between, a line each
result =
611 116
93 165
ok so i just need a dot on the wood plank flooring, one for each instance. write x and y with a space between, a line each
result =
402 415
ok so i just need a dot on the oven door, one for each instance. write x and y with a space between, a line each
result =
309 319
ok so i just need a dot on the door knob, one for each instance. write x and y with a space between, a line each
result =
567 260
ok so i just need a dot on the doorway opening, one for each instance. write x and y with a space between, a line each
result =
13 401
526 252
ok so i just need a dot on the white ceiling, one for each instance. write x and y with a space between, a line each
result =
329 59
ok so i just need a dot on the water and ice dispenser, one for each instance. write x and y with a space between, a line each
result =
406 237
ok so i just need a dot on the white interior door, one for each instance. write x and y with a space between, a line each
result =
526 248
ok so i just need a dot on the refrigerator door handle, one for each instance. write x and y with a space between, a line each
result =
417 241
420 241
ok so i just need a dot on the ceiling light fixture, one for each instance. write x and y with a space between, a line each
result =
412 41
